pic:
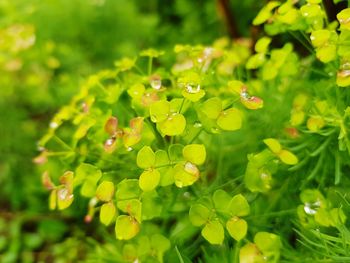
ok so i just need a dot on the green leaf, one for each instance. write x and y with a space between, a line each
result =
199 214
126 227
53 199
221 200
239 206
160 243
136 91
64 198
86 171
194 153
128 189
337 217
133 207
212 108
237 228
159 110
262 45
273 145
287 157
174 125
344 19
265 13
145 158
149 180
162 158
193 93
268 243
213 232
230 120
185 174
326 53
151 205
107 213
175 152
249 253
105 191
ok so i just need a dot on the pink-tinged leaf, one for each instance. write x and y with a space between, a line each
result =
46 180
111 126
148 98
64 198
131 138
67 180
136 124
292 132
110 145
41 158
252 103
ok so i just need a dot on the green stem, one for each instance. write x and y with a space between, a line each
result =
150 63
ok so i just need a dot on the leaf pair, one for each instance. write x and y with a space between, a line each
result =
167 117
213 230
266 248
105 192
61 196
214 117
130 135
284 155
250 102
187 173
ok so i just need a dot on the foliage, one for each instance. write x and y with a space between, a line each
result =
205 153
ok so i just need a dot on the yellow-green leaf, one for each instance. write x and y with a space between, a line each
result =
107 213
273 145
239 206
230 120
213 232
149 180
237 228
199 214
288 158
194 153
126 227
174 125
105 191
146 158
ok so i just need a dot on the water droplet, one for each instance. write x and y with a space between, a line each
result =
311 208
187 194
197 125
208 52
215 130
344 73
179 184
200 60
245 95
193 89
62 193
40 148
129 149
153 118
191 168
156 84
53 125
109 142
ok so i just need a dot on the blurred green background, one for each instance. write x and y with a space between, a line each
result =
46 49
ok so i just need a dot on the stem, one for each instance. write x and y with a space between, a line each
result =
150 63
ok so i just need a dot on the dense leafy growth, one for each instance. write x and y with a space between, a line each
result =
236 151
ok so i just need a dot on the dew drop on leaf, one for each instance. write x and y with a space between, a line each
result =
193 89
